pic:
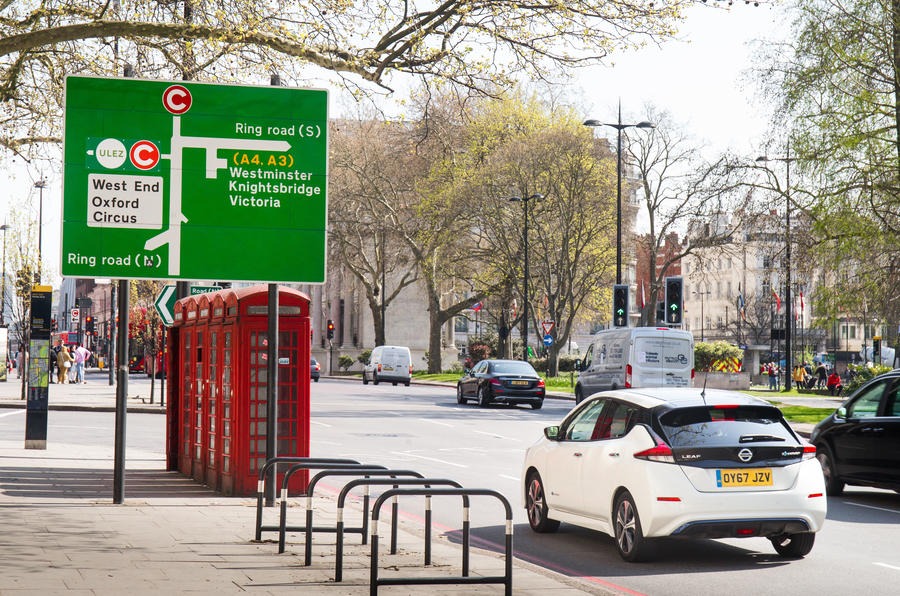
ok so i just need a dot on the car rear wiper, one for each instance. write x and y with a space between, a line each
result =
756 438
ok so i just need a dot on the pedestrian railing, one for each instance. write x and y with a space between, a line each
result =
465 579
273 463
396 483
309 528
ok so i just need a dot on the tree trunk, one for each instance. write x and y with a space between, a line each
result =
434 335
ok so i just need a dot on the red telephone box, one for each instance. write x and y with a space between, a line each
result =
217 409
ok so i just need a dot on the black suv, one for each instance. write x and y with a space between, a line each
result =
860 442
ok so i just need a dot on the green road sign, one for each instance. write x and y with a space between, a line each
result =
165 305
182 180
165 302
194 290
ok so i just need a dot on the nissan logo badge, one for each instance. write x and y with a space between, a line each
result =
745 455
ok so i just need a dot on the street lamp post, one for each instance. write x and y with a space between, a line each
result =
702 315
4 227
524 200
788 310
619 127
40 185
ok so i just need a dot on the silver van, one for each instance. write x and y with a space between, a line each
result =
636 357
388 363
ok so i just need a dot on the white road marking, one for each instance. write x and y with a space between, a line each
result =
440 461
317 423
513 478
437 422
481 432
894 567
13 413
872 507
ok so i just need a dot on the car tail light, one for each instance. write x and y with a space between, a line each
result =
809 452
693 374
540 383
496 383
660 452
627 376
379 368
410 370
745 532
318 367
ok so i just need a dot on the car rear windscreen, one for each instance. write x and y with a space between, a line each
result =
513 368
706 426
667 352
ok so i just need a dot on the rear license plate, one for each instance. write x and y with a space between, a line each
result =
520 383
387 367
753 477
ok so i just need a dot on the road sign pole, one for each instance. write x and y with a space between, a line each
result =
121 396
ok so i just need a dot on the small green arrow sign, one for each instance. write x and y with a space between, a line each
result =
165 305
674 307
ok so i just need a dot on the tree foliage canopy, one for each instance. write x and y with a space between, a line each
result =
477 44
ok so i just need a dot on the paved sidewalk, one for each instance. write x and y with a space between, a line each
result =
63 535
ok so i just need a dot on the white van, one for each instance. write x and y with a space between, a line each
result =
389 363
636 357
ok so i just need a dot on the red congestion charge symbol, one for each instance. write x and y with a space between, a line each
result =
144 155
177 99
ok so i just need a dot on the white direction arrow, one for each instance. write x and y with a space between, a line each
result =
165 305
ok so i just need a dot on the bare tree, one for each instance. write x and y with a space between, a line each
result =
374 169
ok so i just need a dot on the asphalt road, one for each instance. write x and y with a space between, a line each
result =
422 428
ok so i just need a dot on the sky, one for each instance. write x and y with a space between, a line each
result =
696 79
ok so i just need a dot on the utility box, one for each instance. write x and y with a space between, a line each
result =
218 399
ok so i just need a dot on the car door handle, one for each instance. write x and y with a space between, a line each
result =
577 454
614 454
872 430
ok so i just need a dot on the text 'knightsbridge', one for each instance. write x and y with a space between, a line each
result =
266 188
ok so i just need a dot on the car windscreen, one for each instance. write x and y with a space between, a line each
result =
512 368
711 426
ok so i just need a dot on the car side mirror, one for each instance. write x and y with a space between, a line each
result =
841 412
578 366
552 433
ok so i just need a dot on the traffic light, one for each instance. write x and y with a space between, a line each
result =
330 327
620 305
89 324
674 300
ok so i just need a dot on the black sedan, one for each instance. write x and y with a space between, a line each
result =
860 442
502 381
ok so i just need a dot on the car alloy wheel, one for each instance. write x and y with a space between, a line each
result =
537 405
630 541
536 506
460 399
483 398
833 485
794 546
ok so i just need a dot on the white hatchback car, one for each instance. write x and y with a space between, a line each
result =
681 462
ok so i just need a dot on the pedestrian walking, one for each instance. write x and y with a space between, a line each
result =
20 362
63 364
82 356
